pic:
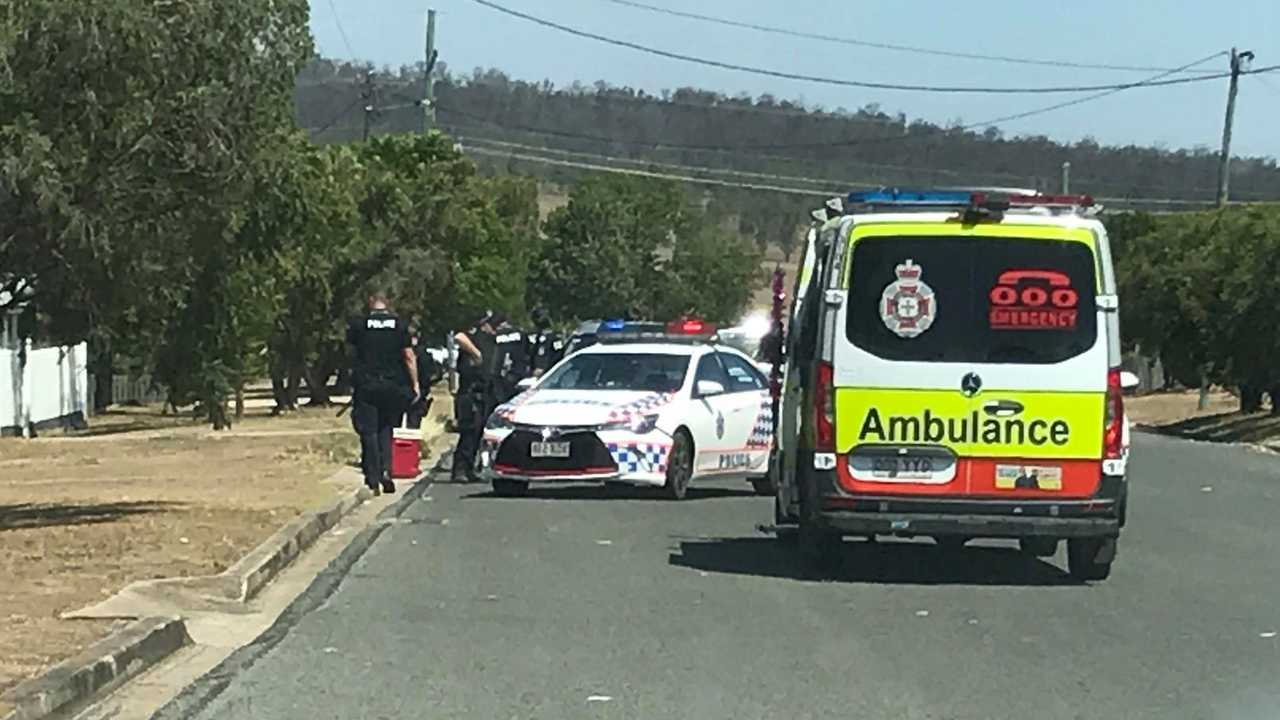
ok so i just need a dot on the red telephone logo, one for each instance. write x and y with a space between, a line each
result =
1033 300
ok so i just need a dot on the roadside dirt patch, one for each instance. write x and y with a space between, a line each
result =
1176 413
143 495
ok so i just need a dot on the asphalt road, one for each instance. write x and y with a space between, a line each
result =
575 605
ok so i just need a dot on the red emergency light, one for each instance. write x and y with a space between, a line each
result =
1051 200
690 326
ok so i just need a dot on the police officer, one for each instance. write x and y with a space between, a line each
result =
513 360
385 384
546 347
477 367
427 371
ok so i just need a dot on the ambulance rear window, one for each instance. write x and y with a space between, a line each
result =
972 299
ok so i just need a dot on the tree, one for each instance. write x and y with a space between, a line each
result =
130 136
634 247
605 248
712 274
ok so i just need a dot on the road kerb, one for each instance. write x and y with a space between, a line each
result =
103 666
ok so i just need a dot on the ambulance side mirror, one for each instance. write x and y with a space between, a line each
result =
526 383
1129 381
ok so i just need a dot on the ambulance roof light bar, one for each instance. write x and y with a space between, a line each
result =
971 202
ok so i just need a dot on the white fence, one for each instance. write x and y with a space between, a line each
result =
43 387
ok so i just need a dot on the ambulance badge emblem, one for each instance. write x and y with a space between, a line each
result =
907 305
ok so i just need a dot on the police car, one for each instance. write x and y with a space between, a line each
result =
954 372
655 405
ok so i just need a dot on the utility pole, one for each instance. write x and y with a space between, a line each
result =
367 94
429 83
1224 161
1066 177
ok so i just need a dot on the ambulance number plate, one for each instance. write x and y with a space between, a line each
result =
928 465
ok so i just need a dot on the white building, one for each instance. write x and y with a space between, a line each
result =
40 387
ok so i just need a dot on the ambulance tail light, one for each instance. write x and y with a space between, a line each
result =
1113 419
824 409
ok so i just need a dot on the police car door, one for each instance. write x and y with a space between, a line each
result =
749 431
711 418
970 360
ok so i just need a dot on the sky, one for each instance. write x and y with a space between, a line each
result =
1159 33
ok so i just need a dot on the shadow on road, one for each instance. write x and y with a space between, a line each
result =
27 516
597 492
897 563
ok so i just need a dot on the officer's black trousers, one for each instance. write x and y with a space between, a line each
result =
374 419
471 409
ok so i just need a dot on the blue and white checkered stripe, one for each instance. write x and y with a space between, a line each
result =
639 457
762 431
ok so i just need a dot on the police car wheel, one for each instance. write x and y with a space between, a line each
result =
1090 558
679 466
1038 546
510 488
763 486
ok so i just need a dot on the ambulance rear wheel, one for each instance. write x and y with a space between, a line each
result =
679 466
510 488
1090 558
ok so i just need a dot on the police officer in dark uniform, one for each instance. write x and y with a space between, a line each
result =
513 361
546 347
385 384
477 368
427 375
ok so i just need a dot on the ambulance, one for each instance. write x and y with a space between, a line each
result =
953 372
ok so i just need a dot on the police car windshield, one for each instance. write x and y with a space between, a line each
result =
620 371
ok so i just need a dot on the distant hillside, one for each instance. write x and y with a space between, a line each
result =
762 135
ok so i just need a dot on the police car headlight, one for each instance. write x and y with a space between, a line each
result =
498 422
640 424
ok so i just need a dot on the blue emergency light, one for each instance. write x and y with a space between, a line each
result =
612 326
893 196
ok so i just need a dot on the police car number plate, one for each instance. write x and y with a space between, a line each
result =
549 449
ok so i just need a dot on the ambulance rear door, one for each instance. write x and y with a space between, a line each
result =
970 360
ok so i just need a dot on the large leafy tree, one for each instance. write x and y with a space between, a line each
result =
635 247
131 137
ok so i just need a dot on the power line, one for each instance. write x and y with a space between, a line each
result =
1267 82
667 165
888 46
852 83
337 117
600 167
341 31
886 138
650 145
648 173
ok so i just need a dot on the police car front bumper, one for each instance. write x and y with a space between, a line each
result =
596 456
